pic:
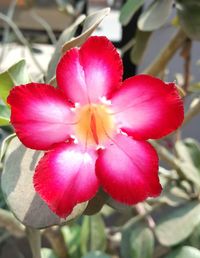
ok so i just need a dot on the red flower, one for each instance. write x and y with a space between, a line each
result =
94 128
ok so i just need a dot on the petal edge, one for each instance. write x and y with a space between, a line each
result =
135 176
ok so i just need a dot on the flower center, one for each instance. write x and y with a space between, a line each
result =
95 124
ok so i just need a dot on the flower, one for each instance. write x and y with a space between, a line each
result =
93 128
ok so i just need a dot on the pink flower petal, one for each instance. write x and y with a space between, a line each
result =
70 77
65 177
92 72
40 115
128 170
146 107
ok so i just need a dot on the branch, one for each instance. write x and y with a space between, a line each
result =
55 237
170 159
186 54
193 111
165 155
6 31
8 221
46 26
34 238
166 54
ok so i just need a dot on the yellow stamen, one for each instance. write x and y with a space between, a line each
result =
95 124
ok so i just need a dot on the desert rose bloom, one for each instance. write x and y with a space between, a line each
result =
94 128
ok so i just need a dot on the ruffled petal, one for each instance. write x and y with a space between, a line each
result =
65 177
40 115
92 72
128 170
147 108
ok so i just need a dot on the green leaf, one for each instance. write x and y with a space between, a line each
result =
72 239
184 252
121 207
173 197
64 37
142 243
48 253
129 9
194 239
141 41
93 234
15 75
6 84
17 183
155 16
18 73
178 224
4 145
96 254
125 247
188 14
4 115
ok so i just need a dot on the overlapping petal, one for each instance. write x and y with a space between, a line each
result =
92 72
128 170
40 115
66 176
147 108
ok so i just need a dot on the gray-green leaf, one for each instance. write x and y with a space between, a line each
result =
155 16
64 37
184 252
48 253
17 187
142 243
96 254
141 42
188 14
189 151
178 224
67 41
90 24
71 235
189 154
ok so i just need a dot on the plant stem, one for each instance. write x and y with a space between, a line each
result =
138 218
142 211
21 38
55 237
166 54
34 238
